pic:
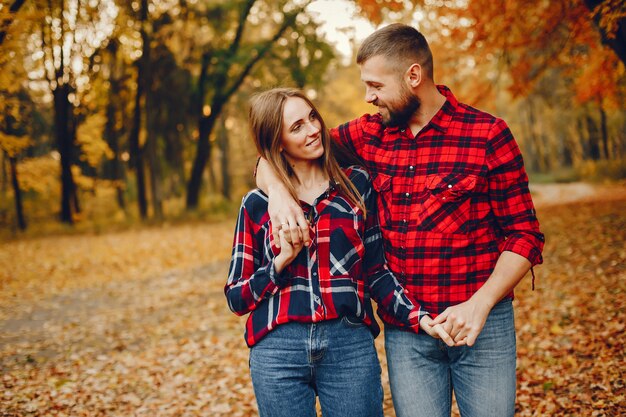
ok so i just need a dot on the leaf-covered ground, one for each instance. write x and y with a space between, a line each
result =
136 324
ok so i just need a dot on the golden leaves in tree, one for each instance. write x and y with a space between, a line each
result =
89 138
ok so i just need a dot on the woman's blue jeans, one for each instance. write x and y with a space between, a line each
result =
334 359
423 371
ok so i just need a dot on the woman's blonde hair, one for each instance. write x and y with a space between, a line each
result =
266 124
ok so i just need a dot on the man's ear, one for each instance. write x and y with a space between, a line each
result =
414 75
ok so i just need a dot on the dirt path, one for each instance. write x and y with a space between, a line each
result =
545 195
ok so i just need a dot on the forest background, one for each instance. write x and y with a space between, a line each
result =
119 112
124 153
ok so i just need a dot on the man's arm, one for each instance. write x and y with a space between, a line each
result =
514 212
468 318
285 213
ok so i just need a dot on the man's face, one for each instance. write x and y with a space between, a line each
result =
385 88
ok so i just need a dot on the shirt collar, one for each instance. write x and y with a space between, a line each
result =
443 117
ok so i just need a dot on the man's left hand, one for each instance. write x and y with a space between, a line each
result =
466 320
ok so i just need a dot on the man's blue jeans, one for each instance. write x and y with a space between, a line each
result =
335 359
423 371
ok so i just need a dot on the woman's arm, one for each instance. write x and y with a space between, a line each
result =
249 283
384 287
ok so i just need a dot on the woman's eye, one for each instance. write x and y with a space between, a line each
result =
296 128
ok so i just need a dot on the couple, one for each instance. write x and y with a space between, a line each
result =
440 245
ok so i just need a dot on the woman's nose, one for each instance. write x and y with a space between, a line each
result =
312 128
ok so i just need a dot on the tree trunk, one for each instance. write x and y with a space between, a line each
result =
203 153
135 147
604 131
593 144
65 146
151 146
224 89
19 211
155 176
5 176
533 160
113 168
223 138
137 153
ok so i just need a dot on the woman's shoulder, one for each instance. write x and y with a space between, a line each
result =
255 203
359 177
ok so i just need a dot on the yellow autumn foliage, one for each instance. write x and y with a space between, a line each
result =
40 175
89 138
13 145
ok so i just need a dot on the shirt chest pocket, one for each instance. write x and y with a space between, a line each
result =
446 203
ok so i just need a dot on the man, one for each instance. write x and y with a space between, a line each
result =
458 223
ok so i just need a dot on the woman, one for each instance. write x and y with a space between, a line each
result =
311 327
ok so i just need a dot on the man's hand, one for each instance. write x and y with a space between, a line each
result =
438 331
285 213
288 252
465 320
287 216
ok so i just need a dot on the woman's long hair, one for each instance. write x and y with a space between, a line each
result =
266 124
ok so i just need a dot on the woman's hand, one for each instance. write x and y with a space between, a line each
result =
288 251
438 331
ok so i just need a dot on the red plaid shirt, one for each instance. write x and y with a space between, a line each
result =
334 277
450 200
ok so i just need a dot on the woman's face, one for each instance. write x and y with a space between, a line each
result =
302 131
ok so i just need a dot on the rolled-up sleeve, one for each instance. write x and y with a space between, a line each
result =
510 197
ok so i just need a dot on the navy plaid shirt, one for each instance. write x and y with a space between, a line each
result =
334 277
451 198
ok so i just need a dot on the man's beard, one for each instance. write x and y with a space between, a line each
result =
400 115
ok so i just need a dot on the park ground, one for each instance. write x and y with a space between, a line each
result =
136 324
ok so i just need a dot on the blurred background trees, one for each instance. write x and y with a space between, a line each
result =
115 111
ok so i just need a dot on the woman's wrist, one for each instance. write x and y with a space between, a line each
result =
279 263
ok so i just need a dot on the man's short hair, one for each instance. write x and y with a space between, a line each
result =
401 44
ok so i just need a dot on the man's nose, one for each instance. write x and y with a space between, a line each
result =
370 96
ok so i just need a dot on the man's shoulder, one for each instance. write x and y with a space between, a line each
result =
467 113
481 123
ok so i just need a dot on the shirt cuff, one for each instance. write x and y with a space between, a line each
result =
415 316
523 248
280 279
